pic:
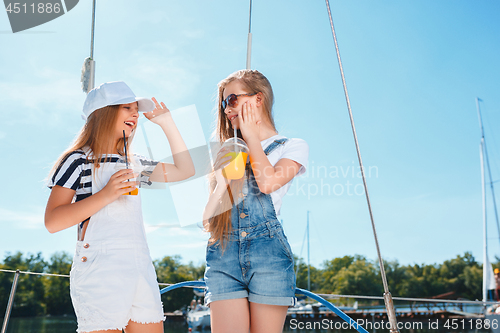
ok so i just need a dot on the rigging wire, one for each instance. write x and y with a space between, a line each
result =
494 149
299 260
318 234
387 295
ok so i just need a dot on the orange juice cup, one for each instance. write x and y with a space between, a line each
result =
120 165
238 151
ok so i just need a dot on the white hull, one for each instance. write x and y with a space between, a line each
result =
198 318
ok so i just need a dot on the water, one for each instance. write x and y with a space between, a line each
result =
68 325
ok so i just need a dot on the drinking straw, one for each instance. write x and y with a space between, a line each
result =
125 149
235 140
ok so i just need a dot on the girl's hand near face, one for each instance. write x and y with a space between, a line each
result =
249 123
161 112
118 185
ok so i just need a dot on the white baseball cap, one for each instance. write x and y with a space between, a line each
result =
114 93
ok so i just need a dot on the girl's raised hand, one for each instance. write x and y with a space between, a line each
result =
249 124
118 185
160 110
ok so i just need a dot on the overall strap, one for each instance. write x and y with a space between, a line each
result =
275 144
81 224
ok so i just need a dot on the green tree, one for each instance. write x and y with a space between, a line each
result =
330 270
301 275
57 298
473 281
361 277
30 289
170 270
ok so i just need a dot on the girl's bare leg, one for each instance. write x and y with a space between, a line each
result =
266 318
230 316
134 327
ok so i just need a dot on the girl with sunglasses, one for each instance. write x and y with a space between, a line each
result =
113 282
250 272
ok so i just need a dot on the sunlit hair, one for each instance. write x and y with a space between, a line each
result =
253 82
98 135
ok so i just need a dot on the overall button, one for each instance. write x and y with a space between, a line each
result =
86 245
243 215
84 259
244 234
241 195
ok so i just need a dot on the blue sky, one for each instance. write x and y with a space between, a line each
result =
413 71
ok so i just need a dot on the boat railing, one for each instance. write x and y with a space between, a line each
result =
321 298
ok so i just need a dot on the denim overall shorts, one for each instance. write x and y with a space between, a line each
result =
257 261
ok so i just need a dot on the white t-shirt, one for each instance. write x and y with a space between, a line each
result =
294 149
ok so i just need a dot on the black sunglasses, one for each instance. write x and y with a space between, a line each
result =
232 100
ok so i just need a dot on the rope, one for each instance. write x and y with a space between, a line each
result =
33 273
61 275
382 269
330 296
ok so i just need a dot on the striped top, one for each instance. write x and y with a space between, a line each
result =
75 172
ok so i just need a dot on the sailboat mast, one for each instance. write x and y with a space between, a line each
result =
308 258
486 159
92 62
485 238
249 41
88 68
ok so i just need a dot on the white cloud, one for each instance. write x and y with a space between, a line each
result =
51 95
26 219
175 76
194 34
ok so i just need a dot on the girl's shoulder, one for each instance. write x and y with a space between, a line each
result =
289 144
69 170
294 149
297 142
296 146
74 156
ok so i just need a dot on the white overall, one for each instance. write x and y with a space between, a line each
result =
112 279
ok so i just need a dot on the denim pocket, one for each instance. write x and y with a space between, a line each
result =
284 243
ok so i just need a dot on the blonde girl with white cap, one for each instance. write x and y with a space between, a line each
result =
113 283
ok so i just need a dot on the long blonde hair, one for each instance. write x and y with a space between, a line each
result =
96 134
253 82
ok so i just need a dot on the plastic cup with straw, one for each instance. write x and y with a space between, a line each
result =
238 151
136 191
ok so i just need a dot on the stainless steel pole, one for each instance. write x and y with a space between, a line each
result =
11 302
249 40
